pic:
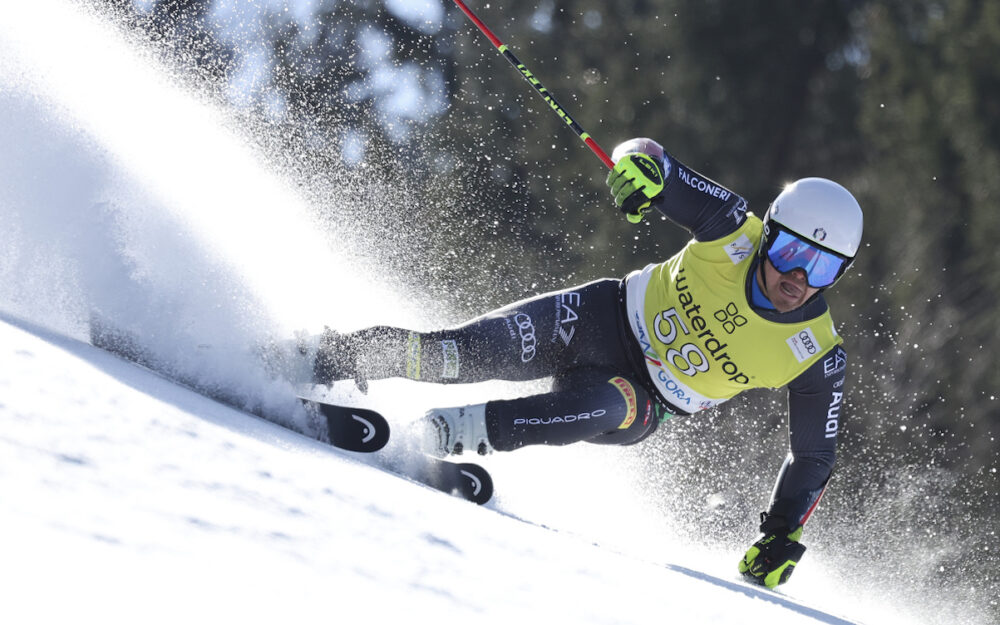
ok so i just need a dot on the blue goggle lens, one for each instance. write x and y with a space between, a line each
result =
788 252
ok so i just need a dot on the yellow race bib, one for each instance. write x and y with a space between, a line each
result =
702 341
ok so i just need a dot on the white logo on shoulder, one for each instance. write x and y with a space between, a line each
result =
804 344
740 249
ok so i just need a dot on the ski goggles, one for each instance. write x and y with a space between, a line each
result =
787 251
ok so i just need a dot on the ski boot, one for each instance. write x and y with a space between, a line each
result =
337 359
453 430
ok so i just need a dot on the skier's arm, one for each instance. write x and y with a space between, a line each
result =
705 208
815 401
815 410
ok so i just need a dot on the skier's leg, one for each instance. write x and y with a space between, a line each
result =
587 405
597 406
527 340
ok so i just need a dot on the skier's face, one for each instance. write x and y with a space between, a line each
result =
787 291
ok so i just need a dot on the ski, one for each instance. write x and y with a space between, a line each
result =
353 429
364 430
462 479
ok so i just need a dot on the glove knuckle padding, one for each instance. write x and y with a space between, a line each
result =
636 179
645 171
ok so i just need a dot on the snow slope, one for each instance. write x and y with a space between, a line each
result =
127 498
124 497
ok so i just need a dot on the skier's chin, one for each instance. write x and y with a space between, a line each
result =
784 306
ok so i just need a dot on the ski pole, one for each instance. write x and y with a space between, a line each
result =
542 91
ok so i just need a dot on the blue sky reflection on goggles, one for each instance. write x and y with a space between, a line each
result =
787 251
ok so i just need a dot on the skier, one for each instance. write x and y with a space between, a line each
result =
739 307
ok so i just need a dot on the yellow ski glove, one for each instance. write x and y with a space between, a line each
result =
635 181
771 560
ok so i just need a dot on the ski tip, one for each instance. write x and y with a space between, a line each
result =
478 485
468 481
353 429
372 430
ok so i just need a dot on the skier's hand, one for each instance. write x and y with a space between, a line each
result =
771 560
635 181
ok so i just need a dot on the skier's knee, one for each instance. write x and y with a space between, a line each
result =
640 415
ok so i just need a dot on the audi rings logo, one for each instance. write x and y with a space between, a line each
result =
526 329
804 344
807 342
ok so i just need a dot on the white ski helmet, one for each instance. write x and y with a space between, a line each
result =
825 218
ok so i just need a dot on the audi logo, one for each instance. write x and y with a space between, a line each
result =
807 342
526 329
